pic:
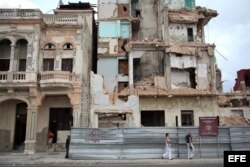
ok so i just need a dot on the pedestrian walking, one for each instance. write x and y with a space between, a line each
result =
190 146
168 152
67 146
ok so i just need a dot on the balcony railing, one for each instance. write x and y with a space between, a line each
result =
20 13
62 19
58 77
3 76
17 77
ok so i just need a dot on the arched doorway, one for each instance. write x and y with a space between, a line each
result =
20 126
12 124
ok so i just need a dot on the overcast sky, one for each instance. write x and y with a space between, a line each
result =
229 31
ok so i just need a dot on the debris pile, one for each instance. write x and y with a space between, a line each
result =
234 121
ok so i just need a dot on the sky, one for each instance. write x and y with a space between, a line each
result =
228 31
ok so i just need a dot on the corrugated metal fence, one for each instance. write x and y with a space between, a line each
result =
141 143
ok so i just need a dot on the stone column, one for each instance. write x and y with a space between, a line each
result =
167 70
76 115
31 128
12 61
131 72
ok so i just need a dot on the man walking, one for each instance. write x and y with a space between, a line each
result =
190 146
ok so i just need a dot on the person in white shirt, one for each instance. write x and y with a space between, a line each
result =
168 152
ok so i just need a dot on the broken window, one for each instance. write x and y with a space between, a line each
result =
68 46
22 65
108 120
4 64
49 46
123 10
122 85
152 118
187 118
67 65
48 64
190 34
183 78
238 113
123 66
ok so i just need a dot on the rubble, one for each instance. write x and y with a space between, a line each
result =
234 121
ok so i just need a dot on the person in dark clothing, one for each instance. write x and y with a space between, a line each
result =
67 146
190 146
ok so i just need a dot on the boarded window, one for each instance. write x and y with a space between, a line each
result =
67 65
4 64
152 118
122 85
190 34
110 120
123 66
22 65
48 64
187 118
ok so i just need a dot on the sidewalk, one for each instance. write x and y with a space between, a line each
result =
58 158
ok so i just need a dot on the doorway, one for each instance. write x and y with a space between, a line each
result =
20 127
60 119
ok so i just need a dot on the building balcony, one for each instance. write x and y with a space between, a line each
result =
53 79
17 79
68 19
12 13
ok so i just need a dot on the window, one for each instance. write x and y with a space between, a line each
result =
4 64
50 46
68 46
67 65
48 64
187 118
123 66
22 65
247 80
190 34
152 118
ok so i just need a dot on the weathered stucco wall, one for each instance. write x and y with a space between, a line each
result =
201 106
178 32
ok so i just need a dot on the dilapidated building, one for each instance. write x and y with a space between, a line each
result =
45 64
154 66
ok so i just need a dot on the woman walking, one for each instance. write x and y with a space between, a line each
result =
167 148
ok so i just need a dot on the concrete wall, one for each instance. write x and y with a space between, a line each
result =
149 23
108 68
178 32
43 118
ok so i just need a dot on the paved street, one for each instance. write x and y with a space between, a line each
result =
58 160
124 165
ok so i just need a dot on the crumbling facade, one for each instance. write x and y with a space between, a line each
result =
154 52
45 64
